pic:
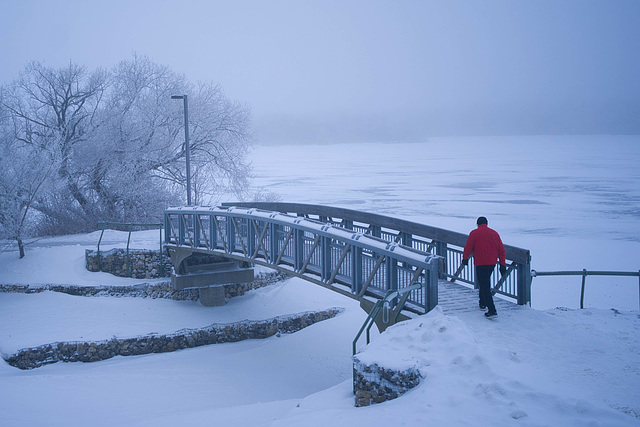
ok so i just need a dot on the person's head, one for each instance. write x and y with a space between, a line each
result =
482 220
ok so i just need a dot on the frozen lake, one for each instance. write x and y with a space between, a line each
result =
574 201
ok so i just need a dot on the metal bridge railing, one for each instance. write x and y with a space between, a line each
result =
344 260
444 243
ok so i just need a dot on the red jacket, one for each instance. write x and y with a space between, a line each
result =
485 245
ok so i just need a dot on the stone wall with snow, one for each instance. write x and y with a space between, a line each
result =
188 338
147 290
410 353
374 384
139 264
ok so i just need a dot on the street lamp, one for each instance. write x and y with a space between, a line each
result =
186 143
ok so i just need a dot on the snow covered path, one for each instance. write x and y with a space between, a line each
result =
130 390
557 367
75 318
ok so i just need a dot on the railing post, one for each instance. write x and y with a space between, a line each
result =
298 256
196 230
181 230
252 234
431 286
392 274
356 266
231 235
584 278
213 233
273 242
325 257
441 250
160 257
406 239
129 272
167 228
524 283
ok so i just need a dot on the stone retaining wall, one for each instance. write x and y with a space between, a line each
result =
146 290
144 264
374 384
187 338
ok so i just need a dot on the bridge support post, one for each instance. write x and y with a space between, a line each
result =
212 296
177 258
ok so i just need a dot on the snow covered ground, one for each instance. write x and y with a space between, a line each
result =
575 202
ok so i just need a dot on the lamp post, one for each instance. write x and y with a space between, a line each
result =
186 143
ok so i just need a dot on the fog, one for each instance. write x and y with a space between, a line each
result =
316 71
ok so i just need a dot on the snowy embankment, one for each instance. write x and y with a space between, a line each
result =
530 367
573 201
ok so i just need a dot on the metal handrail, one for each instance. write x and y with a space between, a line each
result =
331 256
368 323
584 273
384 304
445 243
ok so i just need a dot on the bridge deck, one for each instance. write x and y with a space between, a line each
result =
455 298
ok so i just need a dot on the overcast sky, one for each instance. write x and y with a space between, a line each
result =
356 69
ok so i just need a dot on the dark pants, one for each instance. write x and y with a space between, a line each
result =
483 276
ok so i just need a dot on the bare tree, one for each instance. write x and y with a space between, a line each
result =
55 111
24 174
110 146
219 143
219 129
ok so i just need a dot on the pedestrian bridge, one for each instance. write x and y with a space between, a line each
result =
361 255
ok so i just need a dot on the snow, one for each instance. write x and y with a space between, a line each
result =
531 366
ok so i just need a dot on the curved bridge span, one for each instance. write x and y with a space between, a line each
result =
361 255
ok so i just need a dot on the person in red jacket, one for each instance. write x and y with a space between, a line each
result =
487 249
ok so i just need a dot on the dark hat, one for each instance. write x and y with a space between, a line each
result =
482 220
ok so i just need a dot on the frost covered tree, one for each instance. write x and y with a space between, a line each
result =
53 112
25 172
109 146
150 122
